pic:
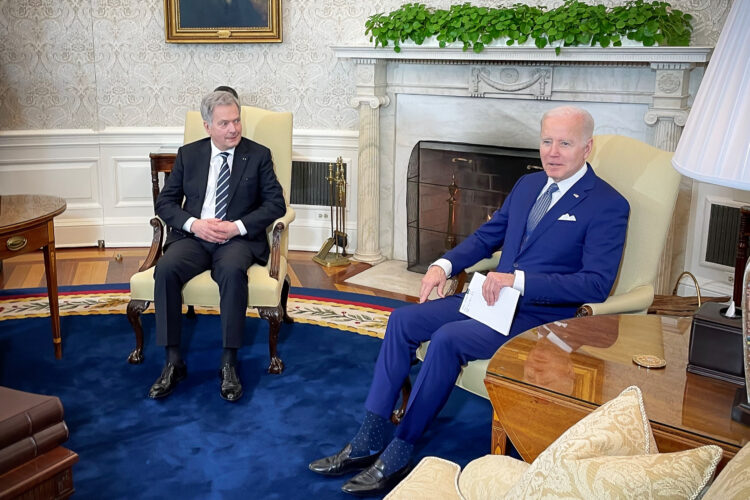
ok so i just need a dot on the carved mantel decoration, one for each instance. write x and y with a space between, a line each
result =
658 79
490 81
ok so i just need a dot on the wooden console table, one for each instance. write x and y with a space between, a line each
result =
26 224
548 378
48 475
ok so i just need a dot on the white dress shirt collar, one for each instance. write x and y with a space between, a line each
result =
566 184
215 152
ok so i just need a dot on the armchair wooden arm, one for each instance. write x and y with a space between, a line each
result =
157 240
279 225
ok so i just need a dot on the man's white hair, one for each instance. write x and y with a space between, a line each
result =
587 121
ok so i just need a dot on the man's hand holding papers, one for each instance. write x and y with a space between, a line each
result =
498 316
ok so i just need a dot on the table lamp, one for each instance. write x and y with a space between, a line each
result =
715 144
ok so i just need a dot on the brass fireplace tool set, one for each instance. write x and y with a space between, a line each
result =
333 252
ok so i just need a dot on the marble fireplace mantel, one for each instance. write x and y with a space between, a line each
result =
658 81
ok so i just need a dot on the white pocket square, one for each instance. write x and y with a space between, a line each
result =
568 217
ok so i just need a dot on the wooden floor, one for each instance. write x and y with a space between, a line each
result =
88 266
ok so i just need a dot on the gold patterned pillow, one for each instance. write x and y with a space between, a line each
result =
490 476
432 479
678 476
617 428
733 483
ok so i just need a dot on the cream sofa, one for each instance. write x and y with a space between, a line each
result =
611 453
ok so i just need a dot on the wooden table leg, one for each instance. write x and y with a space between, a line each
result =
50 268
499 437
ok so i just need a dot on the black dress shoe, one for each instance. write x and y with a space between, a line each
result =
372 481
342 462
167 381
231 387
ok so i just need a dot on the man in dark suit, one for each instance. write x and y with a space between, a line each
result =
562 233
217 203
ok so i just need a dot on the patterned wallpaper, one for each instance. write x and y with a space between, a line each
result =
71 64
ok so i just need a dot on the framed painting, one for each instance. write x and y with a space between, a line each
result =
222 21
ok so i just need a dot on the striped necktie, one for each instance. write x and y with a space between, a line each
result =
222 188
540 208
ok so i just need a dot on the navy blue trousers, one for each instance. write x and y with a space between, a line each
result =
455 340
185 259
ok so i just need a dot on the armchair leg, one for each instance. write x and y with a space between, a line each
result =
134 310
284 297
274 316
398 413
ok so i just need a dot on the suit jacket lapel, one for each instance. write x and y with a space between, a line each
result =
202 167
575 195
529 200
239 163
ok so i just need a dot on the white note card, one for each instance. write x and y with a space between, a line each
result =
498 316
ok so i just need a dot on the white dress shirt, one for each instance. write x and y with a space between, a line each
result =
208 210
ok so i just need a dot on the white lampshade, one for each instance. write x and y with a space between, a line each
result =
715 143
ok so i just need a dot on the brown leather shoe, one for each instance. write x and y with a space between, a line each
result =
167 381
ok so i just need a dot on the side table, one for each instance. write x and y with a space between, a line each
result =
26 225
546 379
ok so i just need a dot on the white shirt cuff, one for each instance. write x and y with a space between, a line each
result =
241 227
519 282
445 265
188 224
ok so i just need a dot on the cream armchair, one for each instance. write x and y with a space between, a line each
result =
644 175
268 285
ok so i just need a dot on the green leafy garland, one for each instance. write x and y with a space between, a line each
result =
573 23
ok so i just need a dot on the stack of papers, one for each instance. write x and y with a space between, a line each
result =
498 316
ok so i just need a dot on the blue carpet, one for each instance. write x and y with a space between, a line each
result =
195 445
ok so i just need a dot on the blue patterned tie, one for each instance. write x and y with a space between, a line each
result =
222 188
540 208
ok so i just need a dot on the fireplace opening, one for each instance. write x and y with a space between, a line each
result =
452 189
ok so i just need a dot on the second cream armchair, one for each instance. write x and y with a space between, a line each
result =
268 286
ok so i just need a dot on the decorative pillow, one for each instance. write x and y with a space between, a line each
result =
678 476
490 477
733 483
432 479
617 428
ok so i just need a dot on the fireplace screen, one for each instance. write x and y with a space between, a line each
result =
454 188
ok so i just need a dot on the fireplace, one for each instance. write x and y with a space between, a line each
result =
452 189
492 98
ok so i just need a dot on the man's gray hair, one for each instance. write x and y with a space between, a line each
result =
587 121
216 98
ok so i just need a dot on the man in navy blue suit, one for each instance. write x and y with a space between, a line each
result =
217 203
561 232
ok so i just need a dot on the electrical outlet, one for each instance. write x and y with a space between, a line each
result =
730 278
322 215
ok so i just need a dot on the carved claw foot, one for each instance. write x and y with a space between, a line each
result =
276 366
136 357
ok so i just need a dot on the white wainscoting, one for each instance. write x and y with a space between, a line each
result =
105 179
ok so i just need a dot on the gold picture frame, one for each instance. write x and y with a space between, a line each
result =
222 21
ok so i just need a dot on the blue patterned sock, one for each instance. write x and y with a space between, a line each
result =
371 437
396 456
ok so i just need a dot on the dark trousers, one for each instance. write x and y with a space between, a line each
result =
185 259
454 341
